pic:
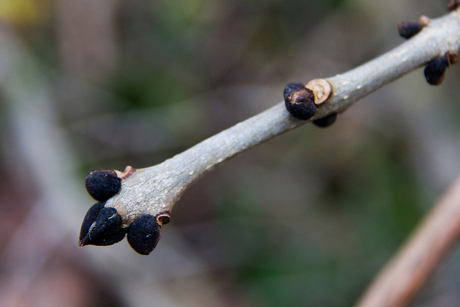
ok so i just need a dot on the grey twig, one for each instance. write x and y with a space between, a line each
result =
155 190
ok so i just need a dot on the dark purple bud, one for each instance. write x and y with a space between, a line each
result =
104 229
105 240
326 121
299 101
407 29
144 234
435 70
102 185
89 219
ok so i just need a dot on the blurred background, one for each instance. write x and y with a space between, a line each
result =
306 219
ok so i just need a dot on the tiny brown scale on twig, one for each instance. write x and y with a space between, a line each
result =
452 57
164 218
126 173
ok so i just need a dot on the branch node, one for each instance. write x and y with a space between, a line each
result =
321 89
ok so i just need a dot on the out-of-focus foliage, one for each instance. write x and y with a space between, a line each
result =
306 219
24 12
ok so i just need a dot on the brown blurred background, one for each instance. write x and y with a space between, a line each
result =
306 219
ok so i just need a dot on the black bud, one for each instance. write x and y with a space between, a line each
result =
104 230
326 121
144 234
407 29
106 240
299 101
89 219
108 222
102 185
435 70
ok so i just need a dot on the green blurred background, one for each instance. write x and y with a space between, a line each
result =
306 219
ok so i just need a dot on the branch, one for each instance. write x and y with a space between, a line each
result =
402 278
155 190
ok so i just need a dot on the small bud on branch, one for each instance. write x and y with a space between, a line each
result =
147 195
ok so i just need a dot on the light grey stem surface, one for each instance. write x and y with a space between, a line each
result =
156 189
